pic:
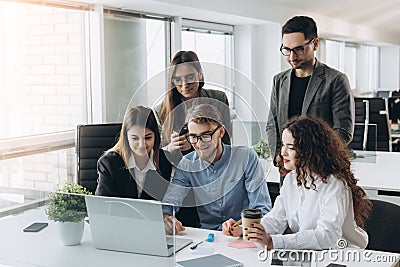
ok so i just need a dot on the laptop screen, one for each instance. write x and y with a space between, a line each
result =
129 225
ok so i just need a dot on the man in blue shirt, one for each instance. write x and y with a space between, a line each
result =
225 179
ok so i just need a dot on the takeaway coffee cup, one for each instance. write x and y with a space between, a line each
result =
250 216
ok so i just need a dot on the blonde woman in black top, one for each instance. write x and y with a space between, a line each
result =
136 167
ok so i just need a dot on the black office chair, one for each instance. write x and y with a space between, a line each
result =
394 108
383 227
375 111
394 116
92 140
364 138
395 93
273 190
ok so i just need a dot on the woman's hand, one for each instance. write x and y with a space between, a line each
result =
228 229
258 234
169 222
178 142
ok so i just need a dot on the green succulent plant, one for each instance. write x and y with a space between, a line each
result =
67 204
262 149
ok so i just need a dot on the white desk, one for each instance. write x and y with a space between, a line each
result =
376 171
21 249
379 173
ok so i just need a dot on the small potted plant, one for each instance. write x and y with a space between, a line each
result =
67 207
264 153
262 149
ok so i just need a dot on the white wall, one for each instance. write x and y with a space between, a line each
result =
271 12
390 67
257 60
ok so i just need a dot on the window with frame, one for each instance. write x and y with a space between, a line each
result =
359 62
46 89
43 92
42 74
213 43
135 49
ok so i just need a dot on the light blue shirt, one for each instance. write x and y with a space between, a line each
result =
222 190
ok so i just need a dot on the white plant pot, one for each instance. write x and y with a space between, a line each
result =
71 232
267 164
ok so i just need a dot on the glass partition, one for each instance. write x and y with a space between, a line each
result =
134 226
42 171
15 200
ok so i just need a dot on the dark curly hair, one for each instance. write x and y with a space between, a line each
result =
321 152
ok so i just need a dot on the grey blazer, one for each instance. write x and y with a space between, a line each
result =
328 96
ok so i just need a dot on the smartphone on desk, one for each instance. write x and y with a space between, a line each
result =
35 227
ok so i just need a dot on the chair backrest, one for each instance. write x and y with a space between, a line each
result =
374 110
364 139
383 227
394 108
92 140
396 93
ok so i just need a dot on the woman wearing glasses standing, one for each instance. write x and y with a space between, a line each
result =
185 89
309 87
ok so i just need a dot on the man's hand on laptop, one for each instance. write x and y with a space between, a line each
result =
169 222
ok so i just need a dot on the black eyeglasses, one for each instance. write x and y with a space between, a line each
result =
298 51
190 78
205 138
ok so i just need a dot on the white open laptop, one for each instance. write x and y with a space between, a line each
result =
130 225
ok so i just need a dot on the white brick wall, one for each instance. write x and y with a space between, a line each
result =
55 59
56 79
40 29
48 88
43 89
56 99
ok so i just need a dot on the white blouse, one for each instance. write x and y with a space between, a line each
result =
140 175
318 218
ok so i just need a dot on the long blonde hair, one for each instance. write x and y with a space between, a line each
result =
145 118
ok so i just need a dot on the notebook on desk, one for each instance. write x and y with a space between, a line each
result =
130 225
216 260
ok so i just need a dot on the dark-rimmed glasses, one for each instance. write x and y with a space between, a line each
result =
298 51
190 78
205 138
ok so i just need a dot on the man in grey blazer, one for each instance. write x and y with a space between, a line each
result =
309 87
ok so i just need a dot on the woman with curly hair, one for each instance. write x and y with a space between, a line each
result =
319 202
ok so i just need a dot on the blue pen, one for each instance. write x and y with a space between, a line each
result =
210 238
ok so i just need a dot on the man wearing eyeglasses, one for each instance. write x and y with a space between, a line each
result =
225 179
309 87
